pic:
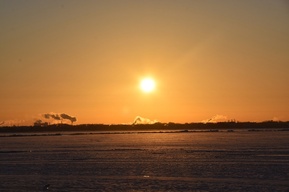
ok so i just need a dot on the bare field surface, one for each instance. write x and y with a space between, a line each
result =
157 162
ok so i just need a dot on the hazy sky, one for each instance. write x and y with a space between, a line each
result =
86 58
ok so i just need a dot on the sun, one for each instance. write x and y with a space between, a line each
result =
147 85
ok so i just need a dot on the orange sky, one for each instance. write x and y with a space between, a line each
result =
225 59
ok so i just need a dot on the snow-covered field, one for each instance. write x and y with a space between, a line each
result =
134 161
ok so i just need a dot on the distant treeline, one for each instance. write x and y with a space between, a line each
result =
251 126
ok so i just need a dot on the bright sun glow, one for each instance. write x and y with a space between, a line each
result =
147 85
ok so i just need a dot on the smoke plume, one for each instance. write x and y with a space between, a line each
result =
141 120
59 117
215 119
40 123
70 118
12 122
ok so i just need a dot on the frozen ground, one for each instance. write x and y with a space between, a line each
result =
208 161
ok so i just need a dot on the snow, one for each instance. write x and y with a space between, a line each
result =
190 161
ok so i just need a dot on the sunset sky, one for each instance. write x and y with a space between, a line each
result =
226 59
